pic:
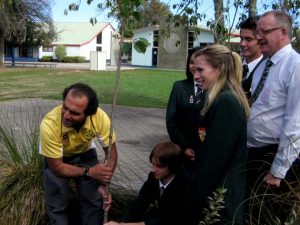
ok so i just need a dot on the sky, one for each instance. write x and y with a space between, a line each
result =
86 11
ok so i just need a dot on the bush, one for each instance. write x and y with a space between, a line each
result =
47 59
73 59
21 179
79 59
60 52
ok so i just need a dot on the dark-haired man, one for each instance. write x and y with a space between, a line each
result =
67 136
250 51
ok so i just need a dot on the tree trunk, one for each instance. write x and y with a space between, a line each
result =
252 8
219 25
1 51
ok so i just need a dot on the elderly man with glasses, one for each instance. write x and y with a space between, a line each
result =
274 125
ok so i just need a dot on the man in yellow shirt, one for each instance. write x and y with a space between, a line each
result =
67 136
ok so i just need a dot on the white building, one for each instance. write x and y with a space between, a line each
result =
79 38
176 43
149 58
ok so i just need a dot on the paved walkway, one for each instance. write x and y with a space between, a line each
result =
81 66
138 131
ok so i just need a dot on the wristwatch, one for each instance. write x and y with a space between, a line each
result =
86 172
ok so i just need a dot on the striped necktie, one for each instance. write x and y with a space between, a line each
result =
198 94
261 83
161 192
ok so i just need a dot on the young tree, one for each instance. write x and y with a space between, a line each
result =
25 21
125 11
60 52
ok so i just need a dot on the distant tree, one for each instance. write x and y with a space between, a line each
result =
252 8
218 26
60 52
150 13
193 13
25 22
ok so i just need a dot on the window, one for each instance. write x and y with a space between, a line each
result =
99 38
155 38
190 40
22 51
47 48
30 52
7 51
99 49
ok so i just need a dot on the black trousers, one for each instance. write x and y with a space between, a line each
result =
265 202
57 194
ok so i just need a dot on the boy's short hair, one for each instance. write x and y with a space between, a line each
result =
250 23
167 154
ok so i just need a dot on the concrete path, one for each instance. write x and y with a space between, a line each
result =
138 131
80 66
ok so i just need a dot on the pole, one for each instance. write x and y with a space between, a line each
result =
116 90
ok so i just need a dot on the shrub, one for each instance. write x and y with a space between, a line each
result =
79 59
60 52
47 59
73 59
21 180
67 59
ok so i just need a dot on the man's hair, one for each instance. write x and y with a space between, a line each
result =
79 90
282 19
167 154
250 23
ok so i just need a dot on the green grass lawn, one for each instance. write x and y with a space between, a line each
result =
140 87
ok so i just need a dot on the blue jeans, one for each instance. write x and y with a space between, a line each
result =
57 193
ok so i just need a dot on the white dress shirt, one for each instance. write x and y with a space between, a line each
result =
252 64
275 116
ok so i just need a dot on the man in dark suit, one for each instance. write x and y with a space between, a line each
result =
250 51
159 202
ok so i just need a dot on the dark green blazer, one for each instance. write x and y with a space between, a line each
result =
183 114
221 160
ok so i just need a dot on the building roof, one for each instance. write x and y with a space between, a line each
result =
77 33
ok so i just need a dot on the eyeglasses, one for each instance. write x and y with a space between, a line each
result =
267 31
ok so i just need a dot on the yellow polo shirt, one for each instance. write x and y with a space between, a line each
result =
57 141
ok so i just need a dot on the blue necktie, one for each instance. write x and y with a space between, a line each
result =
261 82
245 70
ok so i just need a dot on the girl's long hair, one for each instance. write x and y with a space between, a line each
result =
230 77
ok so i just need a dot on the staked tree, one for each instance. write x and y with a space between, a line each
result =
125 11
27 22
